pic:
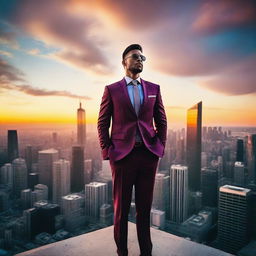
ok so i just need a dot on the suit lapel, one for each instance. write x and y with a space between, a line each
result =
126 96
145 94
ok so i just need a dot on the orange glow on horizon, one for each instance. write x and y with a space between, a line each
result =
44 120
210 117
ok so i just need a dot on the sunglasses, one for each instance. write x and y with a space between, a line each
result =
136 56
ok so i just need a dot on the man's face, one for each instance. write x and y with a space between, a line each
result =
134 65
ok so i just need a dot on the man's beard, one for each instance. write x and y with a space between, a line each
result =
135 70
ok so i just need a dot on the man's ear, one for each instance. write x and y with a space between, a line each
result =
123 63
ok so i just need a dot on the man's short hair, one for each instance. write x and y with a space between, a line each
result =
132 47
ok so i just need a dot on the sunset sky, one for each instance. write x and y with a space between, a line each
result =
55 52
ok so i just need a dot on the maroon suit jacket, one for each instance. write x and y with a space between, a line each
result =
116 104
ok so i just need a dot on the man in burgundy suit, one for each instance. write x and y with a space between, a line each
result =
136 142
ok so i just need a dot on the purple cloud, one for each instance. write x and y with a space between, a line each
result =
52 22
10 76
237 79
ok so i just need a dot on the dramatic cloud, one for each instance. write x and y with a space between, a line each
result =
186 57
237 79
53 23
41 92
191 38
9 76
8 38
214 16
5 53
133 14
9 73
214 41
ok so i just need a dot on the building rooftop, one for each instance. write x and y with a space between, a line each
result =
18 161
48 151
234 190
239 164
95 184
156 211
72 197
40 186
41 203
179 167
101 242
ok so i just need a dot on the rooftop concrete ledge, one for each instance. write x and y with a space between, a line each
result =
101 243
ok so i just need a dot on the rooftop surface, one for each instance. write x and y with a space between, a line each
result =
48 151
234 190
100 242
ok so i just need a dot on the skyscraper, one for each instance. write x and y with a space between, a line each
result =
96 194
161 198
81 126
29 157
88 171
26 198
61 180
106 214
239 174
77 169
4 200
233 218
45 165
20 175
33 179
179 193
54 138
194 145
251 157
209 185
40 192
32 222
180 152
204 159
240 150
72 210
47 217
157 218
6 176
13 149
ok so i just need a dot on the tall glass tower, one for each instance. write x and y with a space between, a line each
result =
81 126
13 150
77 169
179 193
251 157
45 167
240 150
96 195
194 145
61 180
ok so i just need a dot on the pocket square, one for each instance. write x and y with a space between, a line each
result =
151 96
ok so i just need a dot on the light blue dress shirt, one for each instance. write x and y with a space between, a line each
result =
130 89
131 96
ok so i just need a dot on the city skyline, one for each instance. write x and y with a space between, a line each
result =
88 208
52 56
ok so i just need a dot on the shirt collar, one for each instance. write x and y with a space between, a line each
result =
128 80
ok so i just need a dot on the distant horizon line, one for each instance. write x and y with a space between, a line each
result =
95 124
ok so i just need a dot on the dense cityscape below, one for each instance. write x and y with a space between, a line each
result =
54 185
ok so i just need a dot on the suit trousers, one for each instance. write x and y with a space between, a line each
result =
138 168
